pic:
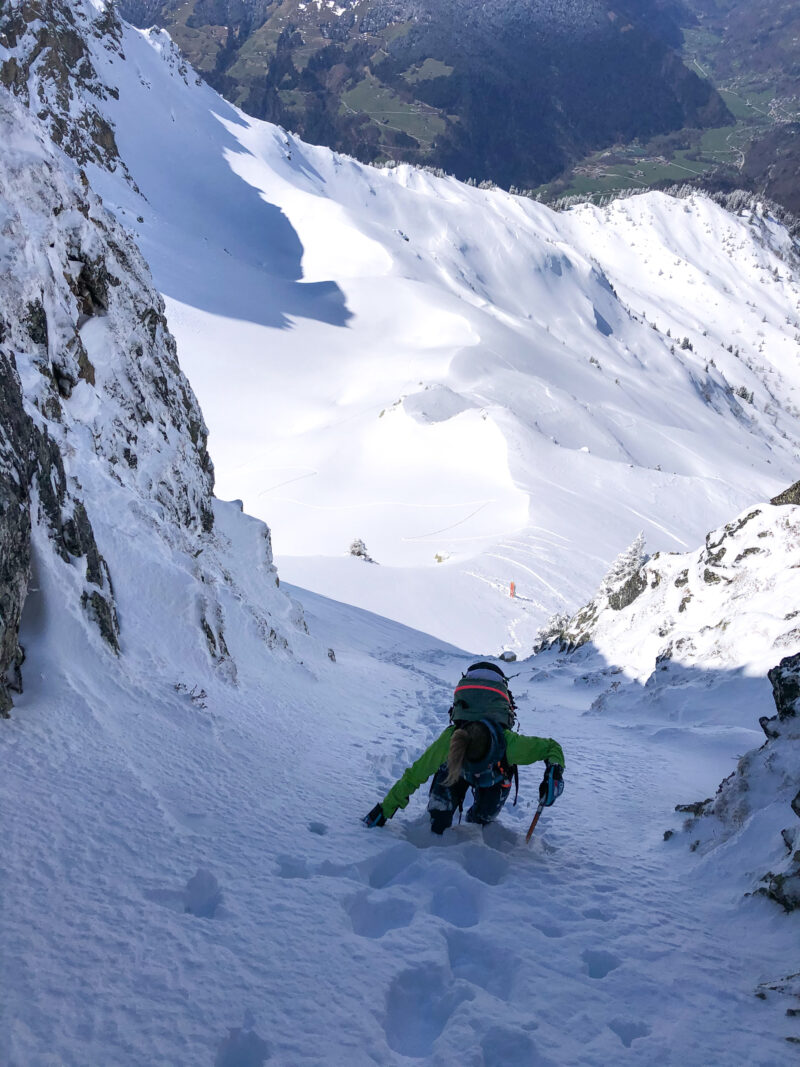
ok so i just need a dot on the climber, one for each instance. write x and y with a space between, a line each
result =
479 750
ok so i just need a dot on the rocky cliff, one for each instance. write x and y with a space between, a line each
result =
694 607
97 421
682 626
765 776
45 61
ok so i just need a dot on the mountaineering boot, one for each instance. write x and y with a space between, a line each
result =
443 800
488 803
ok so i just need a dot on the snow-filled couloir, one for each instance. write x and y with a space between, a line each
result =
185 876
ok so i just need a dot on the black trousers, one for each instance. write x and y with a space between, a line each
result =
444 800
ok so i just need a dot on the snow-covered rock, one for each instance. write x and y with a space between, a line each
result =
684 636
46 60
18 441
103 440
788 496
766 780
732 604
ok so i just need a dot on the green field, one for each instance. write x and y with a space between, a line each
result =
387 109
640 166
430 68
749 106
750 98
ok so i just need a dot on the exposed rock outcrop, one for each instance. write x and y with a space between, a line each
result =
82 325
102 442
46 62
624 581
16 447
763 777
788 496
690 608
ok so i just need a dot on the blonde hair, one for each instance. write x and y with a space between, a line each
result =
470 740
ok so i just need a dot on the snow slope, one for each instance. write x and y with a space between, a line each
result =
185 879
449 372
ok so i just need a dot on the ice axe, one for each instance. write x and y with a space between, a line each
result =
532 826
551 788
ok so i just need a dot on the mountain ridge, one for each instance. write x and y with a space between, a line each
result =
477 359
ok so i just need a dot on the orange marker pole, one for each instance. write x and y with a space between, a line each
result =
512 589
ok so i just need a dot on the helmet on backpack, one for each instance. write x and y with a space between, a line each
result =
485 665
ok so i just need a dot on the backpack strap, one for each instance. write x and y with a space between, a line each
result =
511 770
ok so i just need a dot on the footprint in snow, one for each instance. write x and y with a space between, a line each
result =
485 864
600 963
597 913
242 1048
201 896
467 954
373 916
419 1004
389 865
293 867
550 930
318 828
628 1030
418 833
503 1046
500 838
457 901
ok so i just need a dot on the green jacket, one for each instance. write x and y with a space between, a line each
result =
519 749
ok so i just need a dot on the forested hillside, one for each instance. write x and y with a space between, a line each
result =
506 91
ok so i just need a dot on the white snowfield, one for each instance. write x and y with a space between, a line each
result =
449 372
185 879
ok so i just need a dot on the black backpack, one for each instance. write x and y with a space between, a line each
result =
483 693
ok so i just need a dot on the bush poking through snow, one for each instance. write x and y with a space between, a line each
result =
624 567
359 549
622 584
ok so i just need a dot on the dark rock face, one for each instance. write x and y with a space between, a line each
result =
788 496
16 448
148 436
100 433
628 592
32 471
784 887
785 679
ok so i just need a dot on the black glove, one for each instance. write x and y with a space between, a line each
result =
552 784
375 817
